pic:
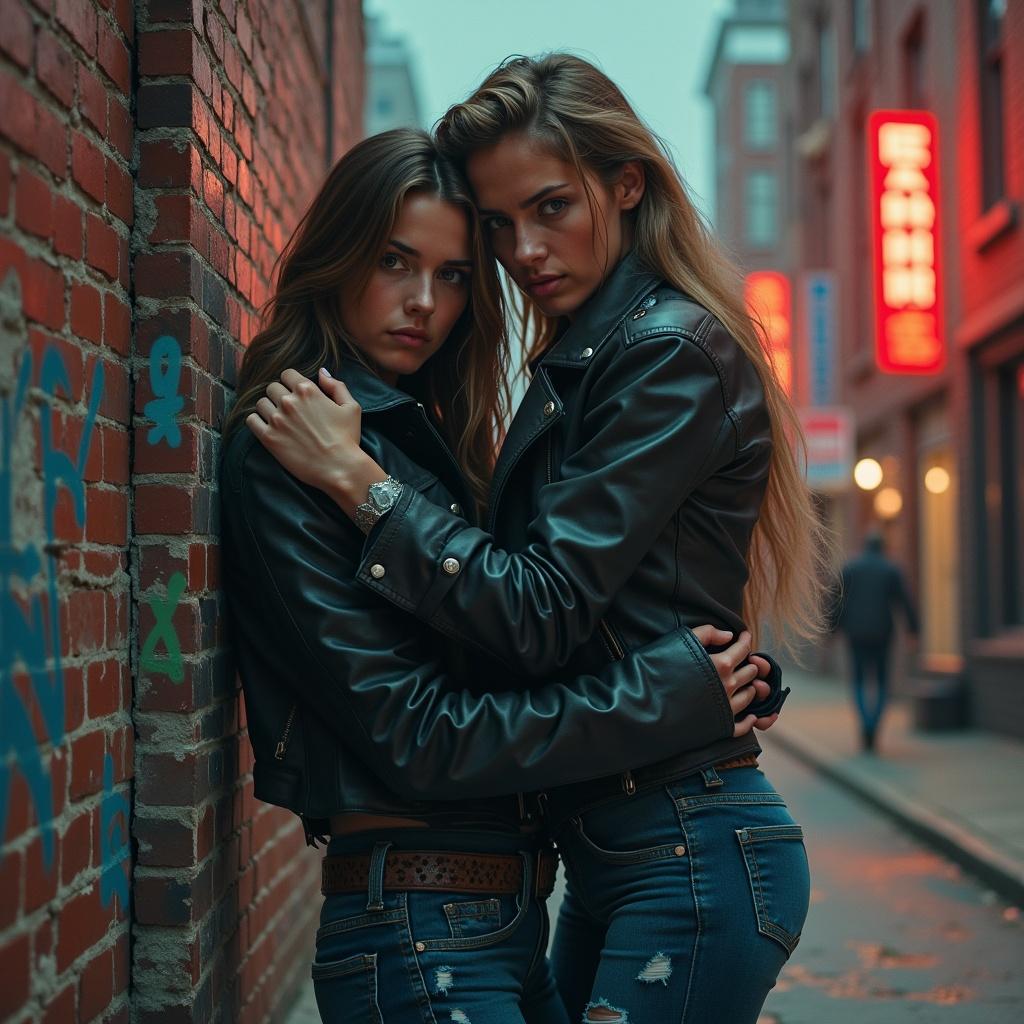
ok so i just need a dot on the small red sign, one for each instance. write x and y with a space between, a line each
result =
904 174
767 294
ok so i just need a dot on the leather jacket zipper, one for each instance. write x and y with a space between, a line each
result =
611 640
282 743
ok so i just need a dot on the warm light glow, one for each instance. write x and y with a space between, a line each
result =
905 200
888 502
867 474
936 480
767 294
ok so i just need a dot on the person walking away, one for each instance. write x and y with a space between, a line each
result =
872 587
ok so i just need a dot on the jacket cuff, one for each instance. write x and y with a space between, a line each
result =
718 721
417 555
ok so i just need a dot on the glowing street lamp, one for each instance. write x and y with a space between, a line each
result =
936 480
888 503
867 474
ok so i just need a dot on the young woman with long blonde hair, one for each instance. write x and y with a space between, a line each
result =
363 721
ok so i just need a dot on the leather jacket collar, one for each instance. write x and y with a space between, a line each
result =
596 320
372 394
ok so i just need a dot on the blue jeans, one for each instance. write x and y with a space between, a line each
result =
870 659
431 955
683 902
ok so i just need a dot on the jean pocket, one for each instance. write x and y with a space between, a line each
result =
469 918
780 880
347 989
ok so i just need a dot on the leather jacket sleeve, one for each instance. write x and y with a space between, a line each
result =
656 425
373 675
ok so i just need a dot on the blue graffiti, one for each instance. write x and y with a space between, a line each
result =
164 375
114 842
27 643
170 665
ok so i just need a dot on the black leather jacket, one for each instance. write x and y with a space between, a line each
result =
353 705
623 501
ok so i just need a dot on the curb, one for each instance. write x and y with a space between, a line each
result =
1003 874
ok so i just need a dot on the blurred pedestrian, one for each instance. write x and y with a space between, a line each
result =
872 586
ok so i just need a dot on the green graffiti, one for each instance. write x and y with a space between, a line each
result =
163 630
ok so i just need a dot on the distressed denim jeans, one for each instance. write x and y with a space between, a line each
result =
683 902
430 956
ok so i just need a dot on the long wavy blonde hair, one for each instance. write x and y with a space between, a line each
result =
576 111
334 250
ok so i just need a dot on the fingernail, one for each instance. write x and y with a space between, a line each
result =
325 371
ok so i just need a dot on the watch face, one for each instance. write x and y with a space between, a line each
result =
384 493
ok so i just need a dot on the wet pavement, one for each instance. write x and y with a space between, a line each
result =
896 933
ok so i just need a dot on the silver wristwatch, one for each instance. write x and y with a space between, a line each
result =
382 498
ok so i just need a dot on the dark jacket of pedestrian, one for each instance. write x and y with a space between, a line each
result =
873 587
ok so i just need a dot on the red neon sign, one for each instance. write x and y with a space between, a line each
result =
904 173
768 300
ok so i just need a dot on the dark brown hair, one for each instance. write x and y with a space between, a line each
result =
334 250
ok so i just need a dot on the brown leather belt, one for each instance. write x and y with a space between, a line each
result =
491 873
747 761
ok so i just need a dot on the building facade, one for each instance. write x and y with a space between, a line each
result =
933 240
154 158
391 97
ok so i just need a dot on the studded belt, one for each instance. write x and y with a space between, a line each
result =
490 873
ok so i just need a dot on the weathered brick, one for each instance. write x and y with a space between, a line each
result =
87 751
117 323
80 21
86 316
167 106
55 67
101 246
14 955
106 516
67 227
120 193
42 290
87 166
83 922
61 1007
114 57
31 126
92 99
34 199
96 985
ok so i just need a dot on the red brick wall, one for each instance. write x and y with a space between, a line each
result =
153 159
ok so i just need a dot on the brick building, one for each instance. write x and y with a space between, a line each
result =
949 441
154 158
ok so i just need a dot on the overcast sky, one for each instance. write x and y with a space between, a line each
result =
657 51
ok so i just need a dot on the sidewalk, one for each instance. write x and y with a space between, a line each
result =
962 792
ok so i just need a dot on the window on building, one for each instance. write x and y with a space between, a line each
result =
760 114
914 84
860 18
762 209
1000 404
990 67
826 70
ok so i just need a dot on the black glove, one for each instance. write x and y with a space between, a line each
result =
774 701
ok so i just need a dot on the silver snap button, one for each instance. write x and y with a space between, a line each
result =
639 313
421 947
679 851
586 353
456 508
549 408
377 571
451 566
